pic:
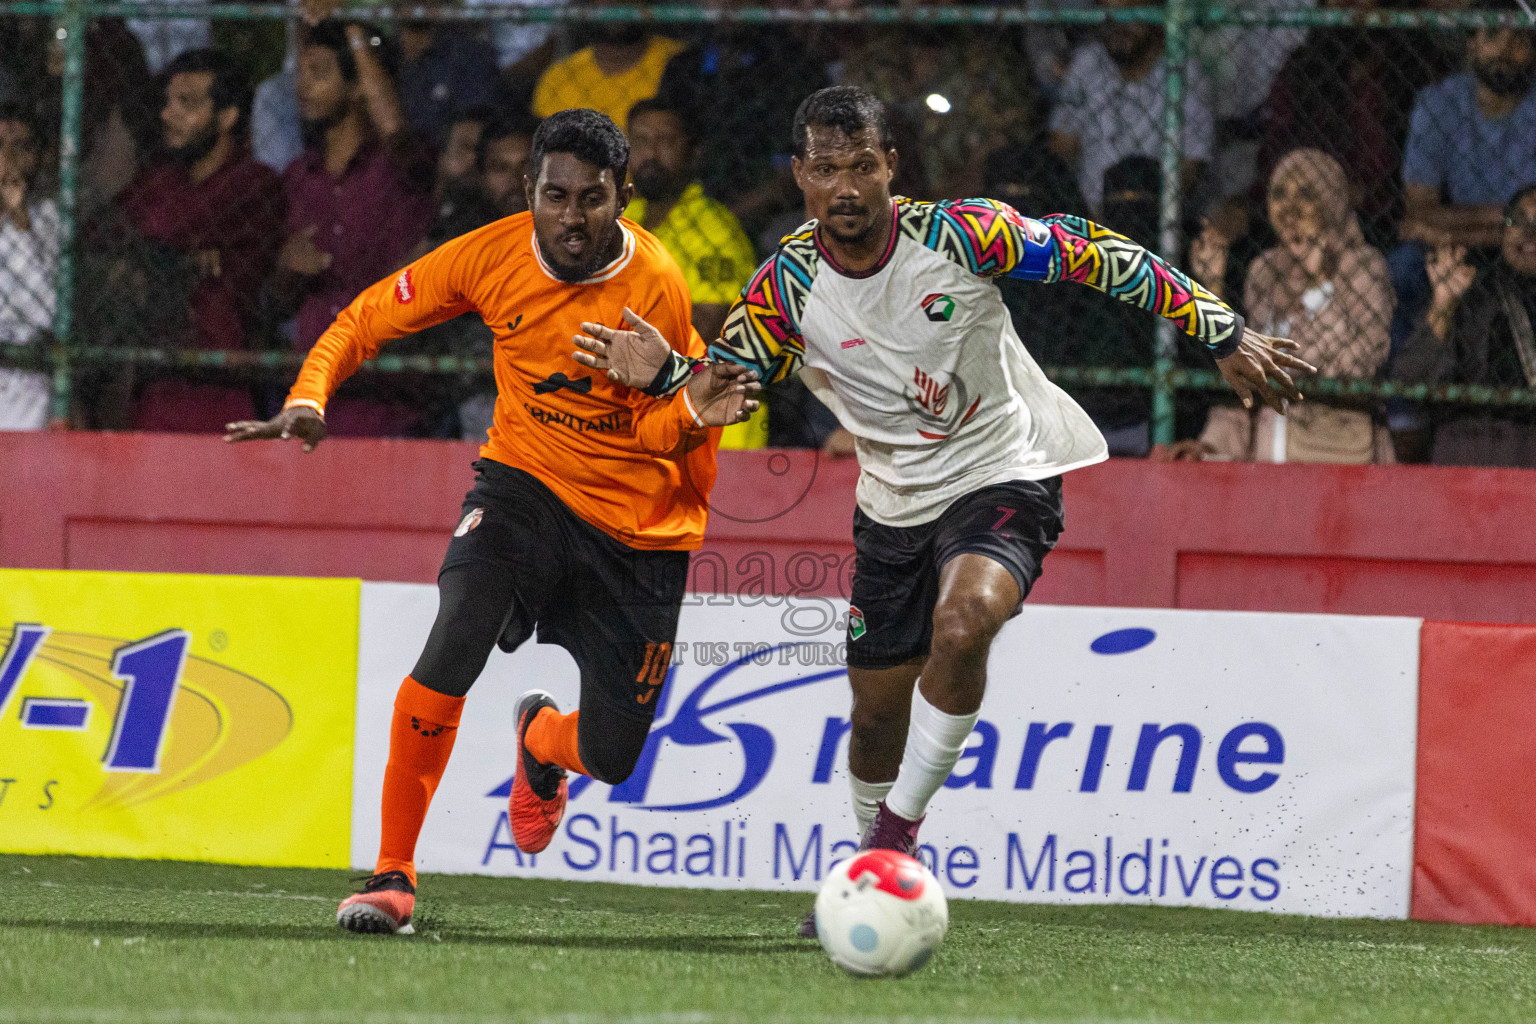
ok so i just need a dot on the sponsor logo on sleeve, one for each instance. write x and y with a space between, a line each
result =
405 290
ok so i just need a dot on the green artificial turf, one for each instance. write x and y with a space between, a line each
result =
121 942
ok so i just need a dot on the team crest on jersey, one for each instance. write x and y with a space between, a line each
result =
939 307
855 622
940 407
405 291
469 522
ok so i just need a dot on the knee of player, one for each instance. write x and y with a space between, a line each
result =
966 623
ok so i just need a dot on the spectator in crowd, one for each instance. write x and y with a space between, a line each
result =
1479 331
29 250
1472 143
701 234
445 73
1348 92
505 147
118 122
213 204
1065 326
1111 105
276 136
932 84
622 68
1326 288
359 198
1242 63
165 39
737 90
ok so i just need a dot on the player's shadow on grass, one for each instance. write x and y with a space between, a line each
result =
730 945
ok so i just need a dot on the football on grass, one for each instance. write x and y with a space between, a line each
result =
881 912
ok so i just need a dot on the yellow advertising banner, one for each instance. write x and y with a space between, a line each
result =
203 718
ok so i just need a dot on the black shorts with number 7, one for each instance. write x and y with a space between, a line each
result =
896 568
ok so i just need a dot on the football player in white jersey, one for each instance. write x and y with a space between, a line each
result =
887 309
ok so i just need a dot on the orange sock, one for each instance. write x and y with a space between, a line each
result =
421 737
551 737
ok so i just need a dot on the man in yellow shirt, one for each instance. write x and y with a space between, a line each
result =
702 235
612 75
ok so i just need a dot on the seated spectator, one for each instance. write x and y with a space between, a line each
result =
505 147
931 85
1326 288
445 73
1471 144
276 138
165 39
1479 331
1111 105
359 199
703 236
118 124
1065 326
737 89
1348 92
211 203
29 251
613 74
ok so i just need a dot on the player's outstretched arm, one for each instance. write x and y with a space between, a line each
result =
1259 366
722 393
299 421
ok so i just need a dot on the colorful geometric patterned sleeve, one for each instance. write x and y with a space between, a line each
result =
990 239
1113 264
762 329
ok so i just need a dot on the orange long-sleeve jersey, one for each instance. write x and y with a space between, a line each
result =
610 453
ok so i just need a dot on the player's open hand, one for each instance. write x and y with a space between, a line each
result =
724 393
300 422
632 358
1259 366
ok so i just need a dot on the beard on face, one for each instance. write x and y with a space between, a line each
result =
312 130
627 33
654 181
195 148
600 252
849 210
1504 78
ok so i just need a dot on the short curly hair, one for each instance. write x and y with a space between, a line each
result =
847 108
588 135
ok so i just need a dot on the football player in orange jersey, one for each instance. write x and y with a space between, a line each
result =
588 494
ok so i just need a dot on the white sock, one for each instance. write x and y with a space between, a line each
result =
934 742
865 796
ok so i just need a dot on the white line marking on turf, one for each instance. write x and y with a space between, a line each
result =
119 1015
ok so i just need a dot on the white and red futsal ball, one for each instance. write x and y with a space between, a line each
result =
881 912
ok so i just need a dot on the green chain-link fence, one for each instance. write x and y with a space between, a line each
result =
1338 173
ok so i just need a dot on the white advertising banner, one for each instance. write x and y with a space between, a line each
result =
1218 759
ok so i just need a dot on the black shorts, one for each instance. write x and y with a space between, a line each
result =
522 562
896 568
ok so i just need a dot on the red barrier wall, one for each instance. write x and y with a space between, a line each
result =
1474 831
1426 541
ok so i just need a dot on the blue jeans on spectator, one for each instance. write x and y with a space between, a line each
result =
1410 279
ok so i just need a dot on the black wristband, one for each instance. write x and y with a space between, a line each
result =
1227 347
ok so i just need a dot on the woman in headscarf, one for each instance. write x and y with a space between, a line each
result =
1324 287
1480 331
